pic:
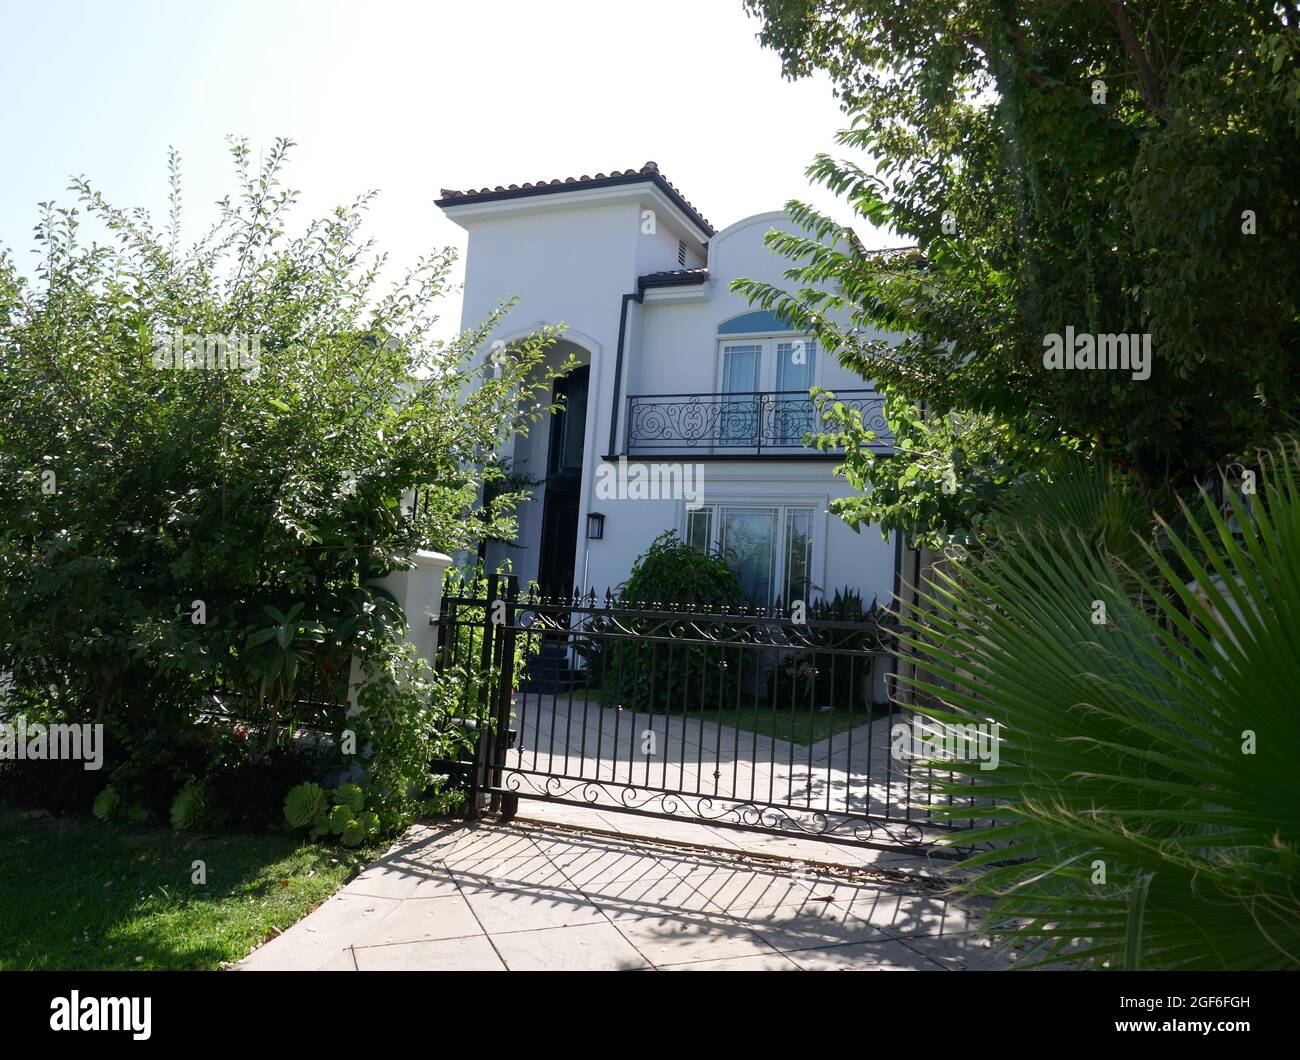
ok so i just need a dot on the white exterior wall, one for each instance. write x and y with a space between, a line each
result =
571 265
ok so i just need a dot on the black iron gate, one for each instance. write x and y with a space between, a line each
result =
752 719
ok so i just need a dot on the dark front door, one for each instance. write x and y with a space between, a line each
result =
555 567
556 559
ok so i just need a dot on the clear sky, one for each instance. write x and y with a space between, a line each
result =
403 97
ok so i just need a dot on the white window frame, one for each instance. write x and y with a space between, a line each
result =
816 533
767 342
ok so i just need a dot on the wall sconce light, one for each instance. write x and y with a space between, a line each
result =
595 526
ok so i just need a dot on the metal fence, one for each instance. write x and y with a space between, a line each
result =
740 718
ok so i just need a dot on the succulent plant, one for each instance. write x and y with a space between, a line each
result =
351 796
107 803
353 833
304 804
340 812
339 818
189 807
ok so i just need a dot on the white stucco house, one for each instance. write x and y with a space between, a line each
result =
689 408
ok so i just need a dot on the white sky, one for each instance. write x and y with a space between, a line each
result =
403 97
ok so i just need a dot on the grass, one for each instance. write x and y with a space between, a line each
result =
792 725
76 893
785 723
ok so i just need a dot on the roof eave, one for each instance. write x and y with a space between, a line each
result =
690 214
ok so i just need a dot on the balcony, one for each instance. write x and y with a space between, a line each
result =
740 425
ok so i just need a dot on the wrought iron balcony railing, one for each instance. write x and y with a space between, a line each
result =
740 424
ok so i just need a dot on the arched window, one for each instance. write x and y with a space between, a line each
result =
761 321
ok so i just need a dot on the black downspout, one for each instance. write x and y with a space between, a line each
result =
618 368
898 567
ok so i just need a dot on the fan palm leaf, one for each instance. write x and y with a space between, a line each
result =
1147 804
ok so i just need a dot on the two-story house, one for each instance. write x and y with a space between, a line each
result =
689 409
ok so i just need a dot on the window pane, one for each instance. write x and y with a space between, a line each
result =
740 368
739 419
699 529
749 547
794 364
575 428
798 555
792 410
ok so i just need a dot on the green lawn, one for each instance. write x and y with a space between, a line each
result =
79 894
782 724
792 725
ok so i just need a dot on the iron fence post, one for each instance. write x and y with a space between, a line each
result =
504 695
482 703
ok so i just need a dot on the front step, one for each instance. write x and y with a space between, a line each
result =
549 671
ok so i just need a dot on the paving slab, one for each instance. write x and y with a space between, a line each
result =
527 907
882 956
684 937
759 962
423 920
505 896
590 947
317 938
474 953
790 928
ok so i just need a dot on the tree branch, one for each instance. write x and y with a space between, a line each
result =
1148 80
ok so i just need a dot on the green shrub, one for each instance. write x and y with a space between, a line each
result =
677 675
807 677
171 535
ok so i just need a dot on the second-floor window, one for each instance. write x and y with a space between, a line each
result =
764 382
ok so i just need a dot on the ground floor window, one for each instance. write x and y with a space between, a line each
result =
768 547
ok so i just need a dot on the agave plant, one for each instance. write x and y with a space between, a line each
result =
1147 813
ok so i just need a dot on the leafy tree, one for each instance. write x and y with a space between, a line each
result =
1119 168
208 451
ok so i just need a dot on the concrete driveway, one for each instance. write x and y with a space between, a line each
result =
531 896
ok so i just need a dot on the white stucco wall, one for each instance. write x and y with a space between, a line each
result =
572 267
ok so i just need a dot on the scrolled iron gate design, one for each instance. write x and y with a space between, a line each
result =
741 719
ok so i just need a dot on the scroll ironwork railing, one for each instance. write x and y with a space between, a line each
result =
758 422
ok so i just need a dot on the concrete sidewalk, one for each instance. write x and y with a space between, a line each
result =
535 897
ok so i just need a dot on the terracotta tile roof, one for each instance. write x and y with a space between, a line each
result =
648 172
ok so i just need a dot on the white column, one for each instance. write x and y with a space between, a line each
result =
419 593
